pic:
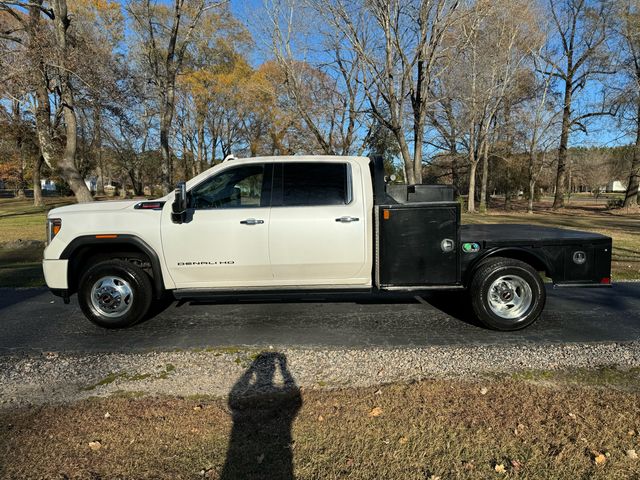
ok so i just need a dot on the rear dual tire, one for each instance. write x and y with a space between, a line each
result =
507 294
115 294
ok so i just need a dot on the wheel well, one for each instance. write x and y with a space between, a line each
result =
85 256
515 254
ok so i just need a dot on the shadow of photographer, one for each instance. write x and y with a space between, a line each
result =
263 407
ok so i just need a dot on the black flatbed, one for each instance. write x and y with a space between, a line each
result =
497 235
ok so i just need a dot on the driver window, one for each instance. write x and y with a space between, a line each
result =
234 188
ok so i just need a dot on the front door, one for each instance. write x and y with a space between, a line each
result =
318 225
224 241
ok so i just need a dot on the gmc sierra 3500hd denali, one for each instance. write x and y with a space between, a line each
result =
308 224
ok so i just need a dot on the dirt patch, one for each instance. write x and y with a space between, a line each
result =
431 429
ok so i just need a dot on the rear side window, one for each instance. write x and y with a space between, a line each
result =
308 184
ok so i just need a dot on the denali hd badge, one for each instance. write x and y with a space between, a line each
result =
188 264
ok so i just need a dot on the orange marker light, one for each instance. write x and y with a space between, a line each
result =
107 236
56 228
386 214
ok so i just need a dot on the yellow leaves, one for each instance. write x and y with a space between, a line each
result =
500 468
375 412
600 459
95 445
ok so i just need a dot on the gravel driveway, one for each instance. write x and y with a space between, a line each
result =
56 378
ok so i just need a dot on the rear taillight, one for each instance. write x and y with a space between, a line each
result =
605 280
53 227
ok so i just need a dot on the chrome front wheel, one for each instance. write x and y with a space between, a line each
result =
115 293
112 296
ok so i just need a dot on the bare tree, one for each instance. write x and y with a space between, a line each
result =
627 28
326 90
580 28
47 52
398 43
165 34
536 117
497 38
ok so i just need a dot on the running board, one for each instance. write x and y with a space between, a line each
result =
256 292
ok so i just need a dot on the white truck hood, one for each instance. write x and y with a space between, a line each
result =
98 207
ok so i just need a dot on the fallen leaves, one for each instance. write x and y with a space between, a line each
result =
95 445
516 465
632 454
375 412
500 468
599 458
484 391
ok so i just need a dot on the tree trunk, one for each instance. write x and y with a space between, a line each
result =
632 195
37 187
471 201
417 154
410 175
165 125
455 175
98 151
66 164
532 181
473 164
558 201
485 174
200 164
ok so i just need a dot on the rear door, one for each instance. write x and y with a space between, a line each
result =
318 225
225 241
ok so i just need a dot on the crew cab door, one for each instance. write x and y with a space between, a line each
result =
224 241
318 226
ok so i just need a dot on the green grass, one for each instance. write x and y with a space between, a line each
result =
22 236
20 220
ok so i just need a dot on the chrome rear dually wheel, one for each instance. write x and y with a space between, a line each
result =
507 294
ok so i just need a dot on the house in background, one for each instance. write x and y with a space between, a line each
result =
616 186
49 185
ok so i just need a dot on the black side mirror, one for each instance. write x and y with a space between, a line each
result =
179 206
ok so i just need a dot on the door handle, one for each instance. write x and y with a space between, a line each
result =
251 221
347 219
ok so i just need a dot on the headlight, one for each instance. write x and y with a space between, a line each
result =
53 227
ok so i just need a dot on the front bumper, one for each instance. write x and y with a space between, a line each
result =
55 274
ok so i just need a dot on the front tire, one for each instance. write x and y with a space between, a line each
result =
507 294
115 294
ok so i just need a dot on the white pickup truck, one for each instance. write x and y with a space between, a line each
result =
307 224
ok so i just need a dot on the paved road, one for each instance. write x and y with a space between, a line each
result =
34 320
